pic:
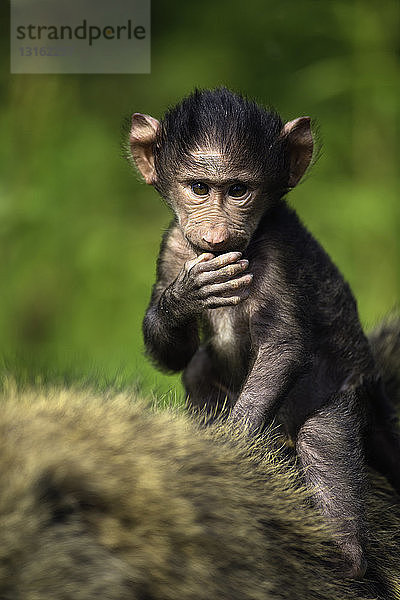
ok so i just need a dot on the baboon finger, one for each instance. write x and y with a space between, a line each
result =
224 274
228 286
219 261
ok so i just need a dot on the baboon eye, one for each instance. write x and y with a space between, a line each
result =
237 190
200 189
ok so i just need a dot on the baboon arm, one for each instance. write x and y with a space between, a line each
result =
169 342
271 376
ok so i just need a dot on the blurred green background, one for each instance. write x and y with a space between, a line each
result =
79 233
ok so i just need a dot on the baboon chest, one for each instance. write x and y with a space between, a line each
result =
227 333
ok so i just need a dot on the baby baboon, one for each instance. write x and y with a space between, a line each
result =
251 307
100 498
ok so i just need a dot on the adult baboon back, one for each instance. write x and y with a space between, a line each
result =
102 498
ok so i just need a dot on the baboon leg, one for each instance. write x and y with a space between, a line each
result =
330 451
204 388
384 455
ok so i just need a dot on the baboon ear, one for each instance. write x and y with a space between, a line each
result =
300 147
142 136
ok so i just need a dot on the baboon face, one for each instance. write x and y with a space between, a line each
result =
217 203
220 161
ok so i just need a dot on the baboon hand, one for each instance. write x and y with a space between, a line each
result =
208 281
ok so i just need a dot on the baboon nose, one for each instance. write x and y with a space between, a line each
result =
216 236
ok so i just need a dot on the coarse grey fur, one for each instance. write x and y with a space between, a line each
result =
102 498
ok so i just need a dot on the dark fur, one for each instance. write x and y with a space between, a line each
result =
291 348
99 498
233 124
385 343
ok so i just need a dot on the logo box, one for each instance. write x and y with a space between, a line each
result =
80 36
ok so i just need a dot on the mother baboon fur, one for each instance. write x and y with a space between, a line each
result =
103 498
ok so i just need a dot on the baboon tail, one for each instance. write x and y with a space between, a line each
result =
385 344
